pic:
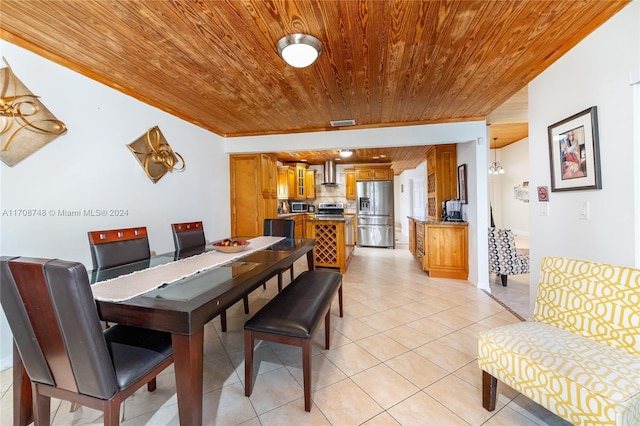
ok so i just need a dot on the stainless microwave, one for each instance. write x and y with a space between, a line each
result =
299 207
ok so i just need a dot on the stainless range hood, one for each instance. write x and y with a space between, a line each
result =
330 173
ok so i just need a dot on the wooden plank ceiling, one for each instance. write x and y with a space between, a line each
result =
384 63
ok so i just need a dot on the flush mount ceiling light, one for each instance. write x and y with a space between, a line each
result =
299 50
342 123
345 153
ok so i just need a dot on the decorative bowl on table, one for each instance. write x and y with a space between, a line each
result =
231 246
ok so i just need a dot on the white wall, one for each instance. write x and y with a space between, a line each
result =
428 134
90 167
595 72
404 194
476 211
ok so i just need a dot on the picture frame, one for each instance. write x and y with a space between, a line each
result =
462 183
574 152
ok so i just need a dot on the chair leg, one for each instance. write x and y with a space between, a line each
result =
245 300
327 328
292 274
112 413
306 373
248 362
41 407
489 391
223 321
151 385
503 279
279 281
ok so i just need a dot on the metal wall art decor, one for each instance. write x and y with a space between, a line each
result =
26 125
574 152
155 155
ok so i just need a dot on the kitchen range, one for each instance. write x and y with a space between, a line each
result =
375 221
330 211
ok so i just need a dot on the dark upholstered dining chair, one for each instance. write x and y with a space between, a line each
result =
65 352
117 247
188 235
280 228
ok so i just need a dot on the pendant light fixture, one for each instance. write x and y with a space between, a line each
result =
495 168
299 50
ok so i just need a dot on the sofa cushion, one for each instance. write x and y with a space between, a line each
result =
598 368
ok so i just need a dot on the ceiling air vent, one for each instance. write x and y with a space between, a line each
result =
341 123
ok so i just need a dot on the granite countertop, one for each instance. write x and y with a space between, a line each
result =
342 219
286 215
426 221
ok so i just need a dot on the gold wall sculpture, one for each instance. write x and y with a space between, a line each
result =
155 154
26 125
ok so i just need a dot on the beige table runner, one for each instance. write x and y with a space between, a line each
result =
131 285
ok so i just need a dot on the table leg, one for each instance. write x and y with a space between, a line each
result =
311 259
187 360
22 394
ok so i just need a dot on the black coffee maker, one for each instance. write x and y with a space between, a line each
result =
452 210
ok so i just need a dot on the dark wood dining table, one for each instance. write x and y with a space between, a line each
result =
182 308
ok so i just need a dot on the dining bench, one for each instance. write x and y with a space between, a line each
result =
293 317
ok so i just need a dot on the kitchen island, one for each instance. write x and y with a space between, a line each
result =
441 248
335 241
299 219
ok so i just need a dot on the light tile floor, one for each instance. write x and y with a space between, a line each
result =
515 295
404 354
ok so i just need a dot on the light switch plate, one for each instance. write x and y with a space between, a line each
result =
544 209
584 211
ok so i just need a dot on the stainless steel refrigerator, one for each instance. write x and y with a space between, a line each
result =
374 217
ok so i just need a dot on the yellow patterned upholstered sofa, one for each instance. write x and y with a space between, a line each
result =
580 355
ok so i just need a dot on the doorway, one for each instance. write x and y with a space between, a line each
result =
510 210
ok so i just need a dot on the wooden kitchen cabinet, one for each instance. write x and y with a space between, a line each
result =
269 170
299 181
253 189
374 172
353 224
310 184
299 225
441 248
419 239
286 183
350 178
301 172
442 178
412 237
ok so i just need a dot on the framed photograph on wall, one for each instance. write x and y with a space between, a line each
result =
574 152
462 183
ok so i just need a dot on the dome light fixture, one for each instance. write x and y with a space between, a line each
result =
345 153
299 50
